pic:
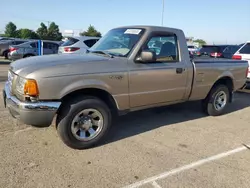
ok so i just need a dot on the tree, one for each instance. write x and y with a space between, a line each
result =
42 31
200 41
10 30
51 33
27 34
91 31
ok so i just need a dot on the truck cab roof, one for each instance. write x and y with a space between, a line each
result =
152 28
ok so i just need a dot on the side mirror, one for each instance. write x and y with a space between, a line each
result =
146 56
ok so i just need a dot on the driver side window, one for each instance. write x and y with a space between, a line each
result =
165 48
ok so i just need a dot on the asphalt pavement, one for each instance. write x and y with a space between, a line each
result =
175 146
4 66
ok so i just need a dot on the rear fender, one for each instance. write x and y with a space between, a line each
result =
227 79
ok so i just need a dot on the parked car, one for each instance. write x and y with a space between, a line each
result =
5 38
4 46
216 50
229 51
243 53
29 49
86 91
77 44
60 43
193 49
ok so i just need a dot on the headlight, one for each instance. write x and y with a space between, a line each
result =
27 86
10 78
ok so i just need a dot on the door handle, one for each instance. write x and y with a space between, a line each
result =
180 70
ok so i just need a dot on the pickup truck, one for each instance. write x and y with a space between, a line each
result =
130 68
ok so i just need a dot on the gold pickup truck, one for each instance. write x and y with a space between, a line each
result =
130 68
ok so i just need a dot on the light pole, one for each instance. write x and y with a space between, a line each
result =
162 18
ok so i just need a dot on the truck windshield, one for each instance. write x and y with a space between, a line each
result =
118 42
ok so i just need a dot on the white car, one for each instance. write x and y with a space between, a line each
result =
244 54
77 44
192 49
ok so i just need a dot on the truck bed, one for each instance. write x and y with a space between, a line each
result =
215 60
208 70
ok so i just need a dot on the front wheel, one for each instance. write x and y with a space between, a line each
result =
83 122
217 101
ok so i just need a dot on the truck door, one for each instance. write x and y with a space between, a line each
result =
161 81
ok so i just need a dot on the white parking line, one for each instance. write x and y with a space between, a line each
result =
155 185
22 130
186 167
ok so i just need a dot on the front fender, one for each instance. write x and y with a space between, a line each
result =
82 84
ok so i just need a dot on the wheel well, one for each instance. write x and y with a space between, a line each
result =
99 93
5 51
28 55
227 81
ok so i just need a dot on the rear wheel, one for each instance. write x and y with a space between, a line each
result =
5 54
217 100
83 122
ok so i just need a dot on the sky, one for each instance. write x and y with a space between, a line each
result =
215 21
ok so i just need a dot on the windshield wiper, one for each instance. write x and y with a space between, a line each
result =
116 54
102 52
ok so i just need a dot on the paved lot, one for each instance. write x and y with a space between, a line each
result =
4 66
175 146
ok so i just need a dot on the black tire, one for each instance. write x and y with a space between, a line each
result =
208 105
5 54
29 55
70 109
247 85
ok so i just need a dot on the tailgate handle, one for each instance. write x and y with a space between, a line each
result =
180 70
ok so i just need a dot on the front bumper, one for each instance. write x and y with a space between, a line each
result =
31 113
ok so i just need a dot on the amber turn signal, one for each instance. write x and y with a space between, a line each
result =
31 88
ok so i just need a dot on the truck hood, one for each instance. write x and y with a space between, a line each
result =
62 63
